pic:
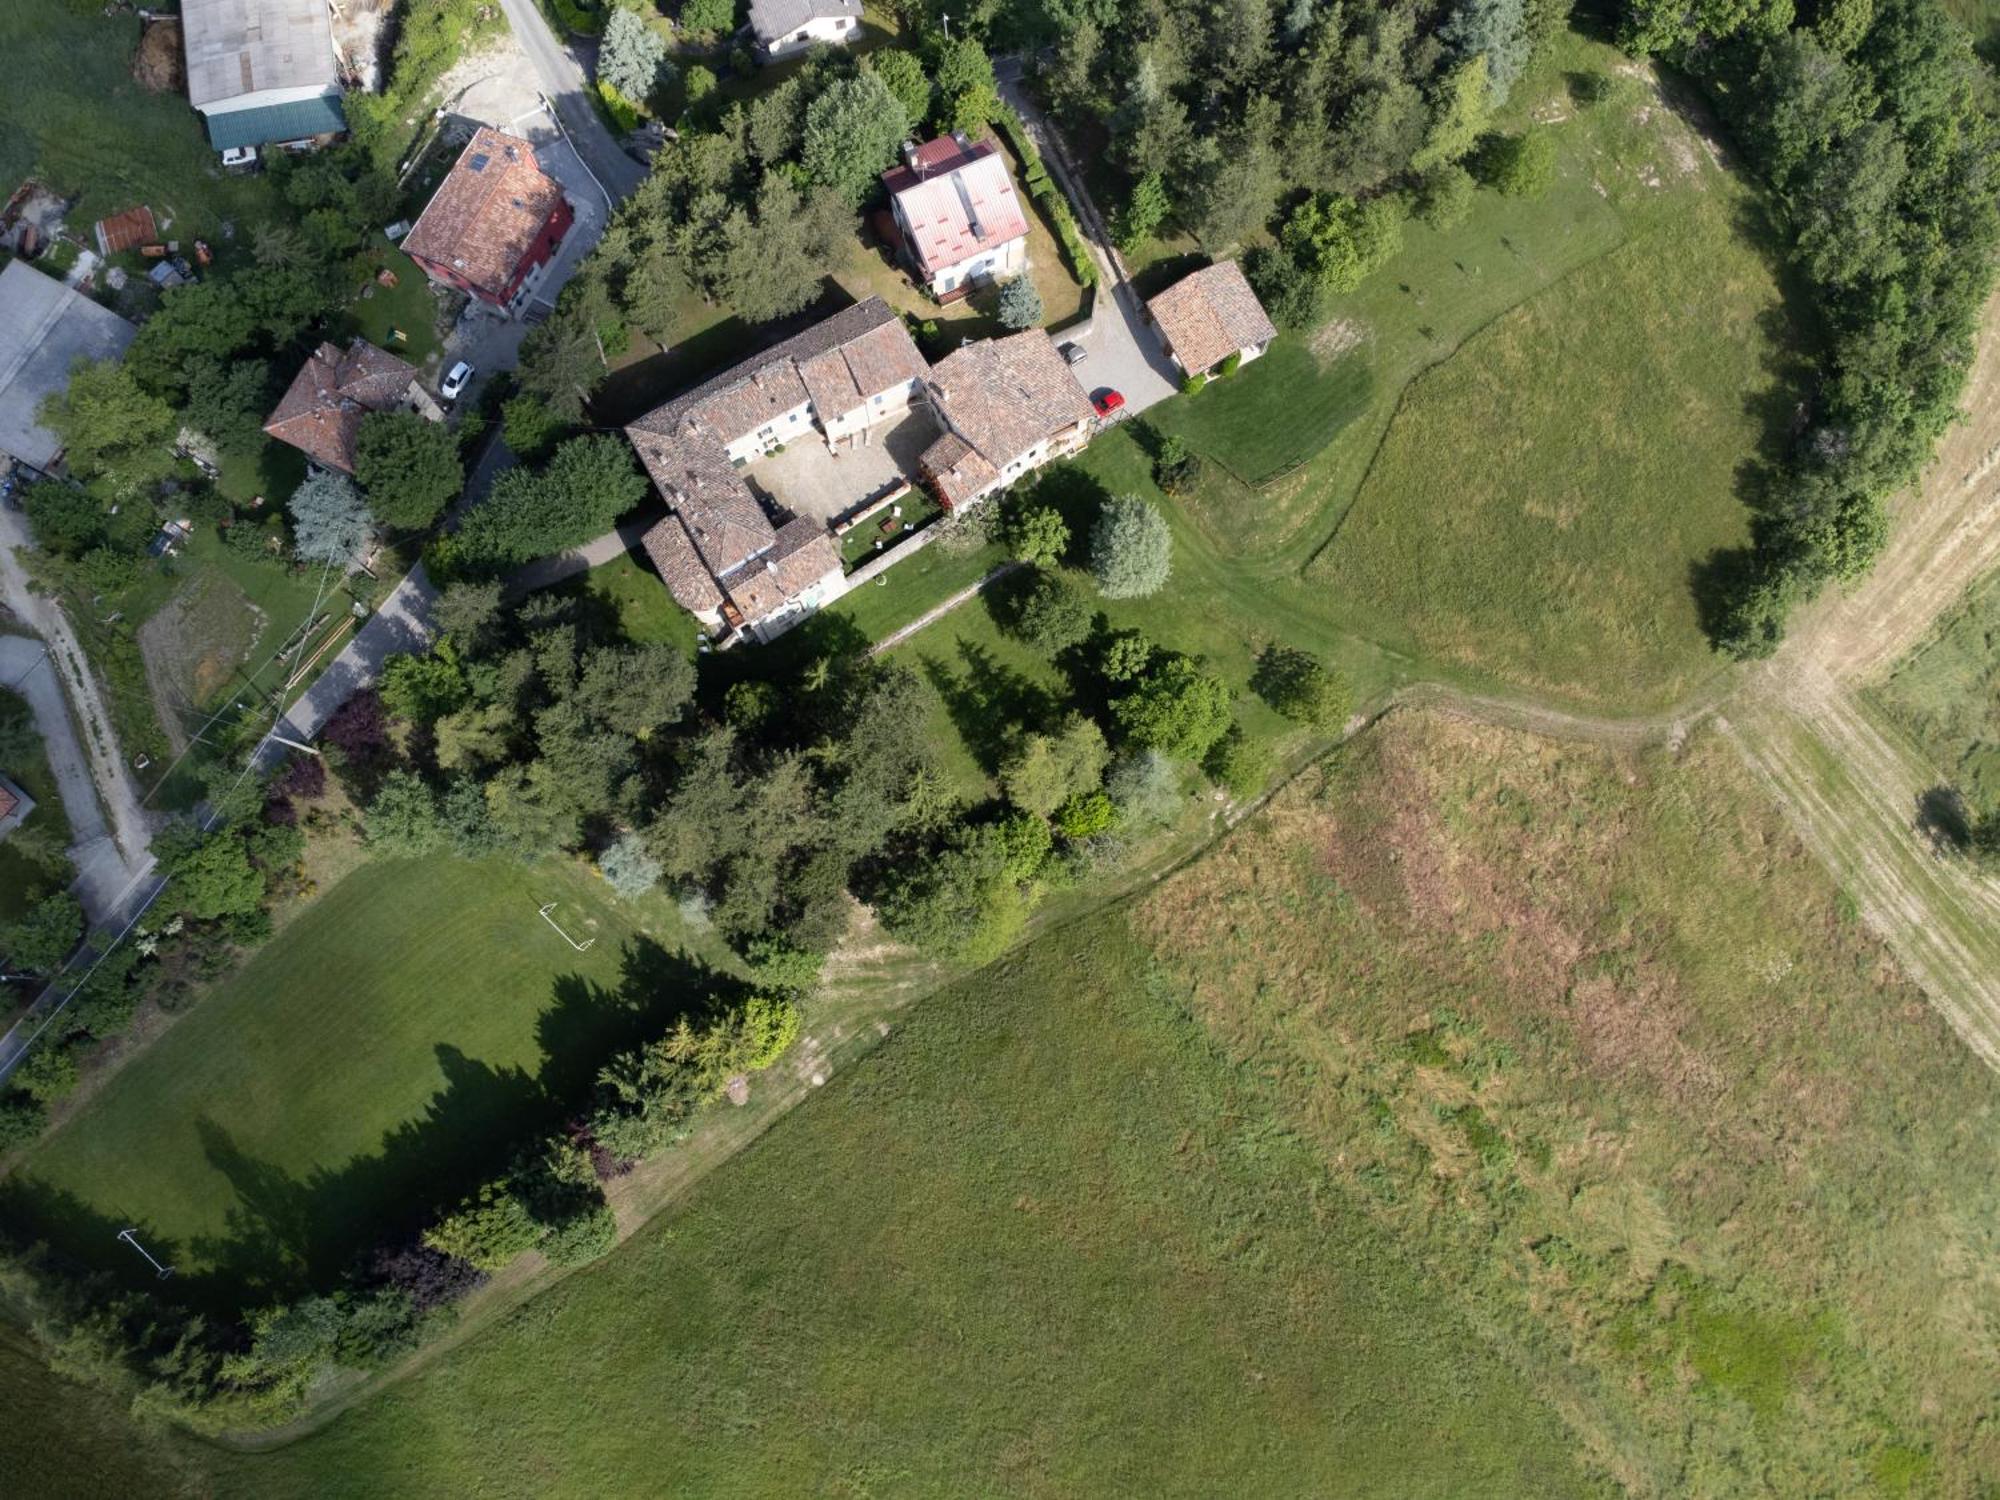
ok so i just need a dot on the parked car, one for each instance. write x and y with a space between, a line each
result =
1076 354
1107 401
240 159
454 381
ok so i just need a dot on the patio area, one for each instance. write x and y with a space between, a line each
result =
809 481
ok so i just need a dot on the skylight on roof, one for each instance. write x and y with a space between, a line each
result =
479 161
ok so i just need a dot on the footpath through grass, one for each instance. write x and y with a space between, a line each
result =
366 1064
1042 1241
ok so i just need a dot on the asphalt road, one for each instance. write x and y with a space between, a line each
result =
567 88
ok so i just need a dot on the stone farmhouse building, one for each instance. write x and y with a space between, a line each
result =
1008 406
783 27
1209 315
958 215
494 223
321 412
720 554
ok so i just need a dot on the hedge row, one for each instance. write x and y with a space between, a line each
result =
1042 188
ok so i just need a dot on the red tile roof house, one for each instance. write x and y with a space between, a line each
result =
15 805
1008 406
1205 317
960 219
720 555
321 412
494 223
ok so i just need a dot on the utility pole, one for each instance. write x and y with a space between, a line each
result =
945 16
131 1237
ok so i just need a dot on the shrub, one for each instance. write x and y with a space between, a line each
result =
488 1231
1131 548
1239 763
427 1276
529 428
50 1071
1035 533
1020 303
1444 197
1521 166
1146 790
1301 686
42 939
1086 815
1193 384
628 867
770 1025
708 15
22 1118
1231 363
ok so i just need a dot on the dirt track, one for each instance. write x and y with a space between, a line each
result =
1849 783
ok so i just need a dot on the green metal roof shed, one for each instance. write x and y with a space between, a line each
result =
265 123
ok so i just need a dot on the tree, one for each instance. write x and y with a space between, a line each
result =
1020 303
329 522
969 98
211 874
402 818
1176 466
635 689
42 939
629 868
1238 762
561 362
771 264
708 17
1144 212
1046 770
1338 242
1178 707
903 74
1230 194
1053 614
529 428
1131 548
66 519
111 429
468 613
632 56
1301 686
1461 105
580 494
852 132
490 1230
227 401
1035 533
1521 166
960 903
1146 790
1496 30
409 467
424 687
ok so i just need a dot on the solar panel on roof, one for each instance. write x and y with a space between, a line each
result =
479 161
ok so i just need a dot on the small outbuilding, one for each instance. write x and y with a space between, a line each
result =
262 72
1206 317
45 328
15 805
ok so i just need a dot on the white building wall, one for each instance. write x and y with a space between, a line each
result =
1005 259
832 30
263 97
786 428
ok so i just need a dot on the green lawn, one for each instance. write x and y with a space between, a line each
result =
1946 696
409 307
368 1063
647 614
24 876
1041 1242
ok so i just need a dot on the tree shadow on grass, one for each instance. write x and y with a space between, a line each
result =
989 704
287 1233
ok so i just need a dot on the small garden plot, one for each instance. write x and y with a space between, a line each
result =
193 647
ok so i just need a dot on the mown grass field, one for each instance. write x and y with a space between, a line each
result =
1607 1051
404 1028
1043 1241
1946 696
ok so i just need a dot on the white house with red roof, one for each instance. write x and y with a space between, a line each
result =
961 220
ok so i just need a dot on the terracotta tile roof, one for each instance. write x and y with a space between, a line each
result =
1003 396
801 555
487 211
126 231
883 358
322 409
957 210
8 801
695 477
1210 315
830 384
687 578
956 470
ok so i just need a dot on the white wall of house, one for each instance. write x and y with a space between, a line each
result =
834 30
882 406
786 428
1001 260
1243 357
822 593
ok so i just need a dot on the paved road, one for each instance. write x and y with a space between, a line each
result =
403 623
1124 354
564 82
113 830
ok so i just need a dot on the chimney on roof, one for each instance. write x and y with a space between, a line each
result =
912 158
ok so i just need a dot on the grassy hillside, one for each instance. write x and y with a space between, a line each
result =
370 1061
1610 1056
1042 1242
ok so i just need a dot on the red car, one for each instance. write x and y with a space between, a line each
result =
1107 401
